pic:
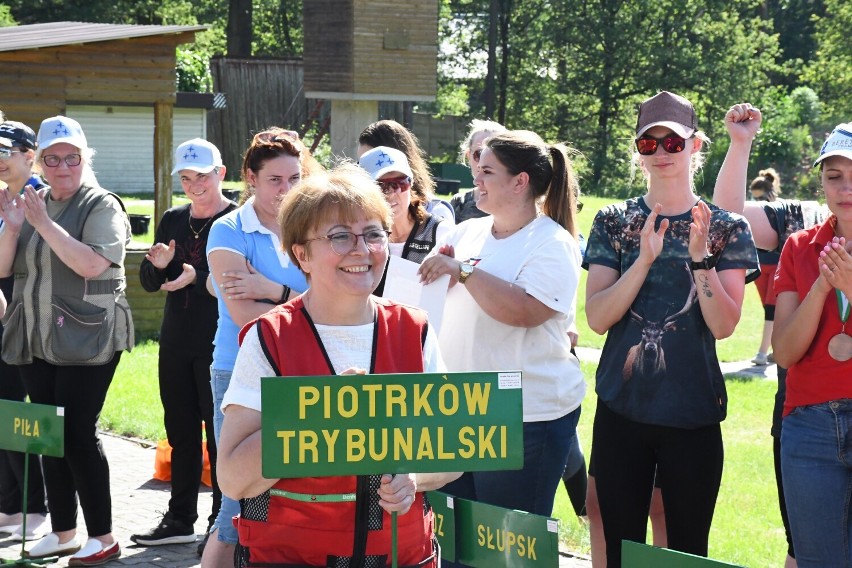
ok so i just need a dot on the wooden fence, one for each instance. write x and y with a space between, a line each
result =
260 93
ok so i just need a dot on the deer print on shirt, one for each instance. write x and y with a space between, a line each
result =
648 356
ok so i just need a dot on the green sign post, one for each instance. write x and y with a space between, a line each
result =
371 424
31 429
493 536
376 424
638 555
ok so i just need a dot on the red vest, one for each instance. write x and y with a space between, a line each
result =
280 531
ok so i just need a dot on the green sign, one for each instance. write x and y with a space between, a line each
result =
445 523
488 536
638 555
34 428
372 424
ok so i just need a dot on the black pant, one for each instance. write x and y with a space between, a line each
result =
688 463
187 401
84 470
12 463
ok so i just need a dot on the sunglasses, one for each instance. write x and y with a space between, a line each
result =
394 185
673 144
476 155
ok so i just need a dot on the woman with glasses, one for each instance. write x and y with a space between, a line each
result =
252 274
666 280
68 322
511 302
414 231
17 161
177 264
335 228
464 204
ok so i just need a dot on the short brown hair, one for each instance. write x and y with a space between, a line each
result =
345 193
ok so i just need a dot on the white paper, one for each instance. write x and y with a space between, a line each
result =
403 285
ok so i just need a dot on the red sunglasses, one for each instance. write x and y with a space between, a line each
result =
673 144
390 186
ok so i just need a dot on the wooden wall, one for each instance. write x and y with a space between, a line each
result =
260 93
386 49
39 83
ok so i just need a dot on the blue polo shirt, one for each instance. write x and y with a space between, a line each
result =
241 232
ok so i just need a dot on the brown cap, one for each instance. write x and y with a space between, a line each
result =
669 110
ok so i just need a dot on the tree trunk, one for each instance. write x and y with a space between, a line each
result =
239 28
504 61
488 95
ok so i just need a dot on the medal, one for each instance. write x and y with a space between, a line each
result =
840 346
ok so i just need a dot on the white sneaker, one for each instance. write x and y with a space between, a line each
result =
38 526
9 523
760 358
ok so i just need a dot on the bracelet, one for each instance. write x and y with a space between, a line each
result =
284 294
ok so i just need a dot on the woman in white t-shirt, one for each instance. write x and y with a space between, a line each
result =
518 270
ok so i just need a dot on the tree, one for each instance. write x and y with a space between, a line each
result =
830 73
239 32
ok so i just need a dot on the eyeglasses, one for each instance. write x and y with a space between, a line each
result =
673 144
344 242
476 155
6 153
71 160
389 186
579 206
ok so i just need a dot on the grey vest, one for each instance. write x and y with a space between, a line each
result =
54 313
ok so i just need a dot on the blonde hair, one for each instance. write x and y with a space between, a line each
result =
476 127
346 193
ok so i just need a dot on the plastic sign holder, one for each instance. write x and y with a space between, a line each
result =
31 429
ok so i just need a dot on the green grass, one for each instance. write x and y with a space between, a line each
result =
133 406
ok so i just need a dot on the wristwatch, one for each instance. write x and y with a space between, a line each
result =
707 263
465 270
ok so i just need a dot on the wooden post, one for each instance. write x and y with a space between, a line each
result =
163 132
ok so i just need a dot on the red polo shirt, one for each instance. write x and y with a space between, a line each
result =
816 377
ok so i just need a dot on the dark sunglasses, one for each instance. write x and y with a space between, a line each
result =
476 154
389 186
673 144
579 206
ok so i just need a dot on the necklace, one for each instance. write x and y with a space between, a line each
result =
191 228
507 232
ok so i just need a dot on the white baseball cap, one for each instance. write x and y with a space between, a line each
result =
839 143
58 129
197 155
382 159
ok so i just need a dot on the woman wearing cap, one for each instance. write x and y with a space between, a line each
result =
666 280
67 324
334 227
511 302
177 264
17 159
392 134
414 231
252 274
811 339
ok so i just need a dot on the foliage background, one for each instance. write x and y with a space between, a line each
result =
572 71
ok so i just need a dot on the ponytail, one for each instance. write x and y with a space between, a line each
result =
560 200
